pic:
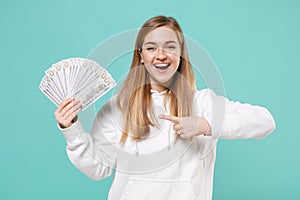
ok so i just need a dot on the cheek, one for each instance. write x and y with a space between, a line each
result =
175 60
147 58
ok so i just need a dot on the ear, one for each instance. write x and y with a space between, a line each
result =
142 60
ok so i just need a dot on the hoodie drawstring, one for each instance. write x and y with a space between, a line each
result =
169 137
136 149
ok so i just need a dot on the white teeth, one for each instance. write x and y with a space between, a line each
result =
162 65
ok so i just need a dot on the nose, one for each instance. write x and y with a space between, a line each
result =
161 54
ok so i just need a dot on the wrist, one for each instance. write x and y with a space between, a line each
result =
204 127
64 126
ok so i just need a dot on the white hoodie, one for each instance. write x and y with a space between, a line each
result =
160 167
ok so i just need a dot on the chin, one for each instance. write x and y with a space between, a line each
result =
165 83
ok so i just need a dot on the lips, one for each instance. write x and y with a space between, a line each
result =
161 65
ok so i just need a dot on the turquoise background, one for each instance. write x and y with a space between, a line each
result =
255 45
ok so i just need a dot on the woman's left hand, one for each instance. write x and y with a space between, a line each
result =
187 127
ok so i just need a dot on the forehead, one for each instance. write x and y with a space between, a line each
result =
161 35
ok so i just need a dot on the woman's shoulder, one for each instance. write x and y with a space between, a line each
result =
110 113
110 103
203 99
203 94
109 107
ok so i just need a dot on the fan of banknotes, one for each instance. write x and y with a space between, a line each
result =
78 78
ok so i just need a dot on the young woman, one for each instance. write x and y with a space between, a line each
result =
159 132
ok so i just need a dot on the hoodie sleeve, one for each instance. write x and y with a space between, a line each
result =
94 153
235 120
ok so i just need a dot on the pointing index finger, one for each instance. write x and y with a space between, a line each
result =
170 118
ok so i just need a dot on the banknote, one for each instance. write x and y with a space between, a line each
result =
79 78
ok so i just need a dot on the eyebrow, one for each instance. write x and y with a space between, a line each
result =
168 42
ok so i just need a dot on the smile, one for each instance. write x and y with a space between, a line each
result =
161 66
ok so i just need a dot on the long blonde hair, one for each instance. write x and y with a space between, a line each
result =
134 98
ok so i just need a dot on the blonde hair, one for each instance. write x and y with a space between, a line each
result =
134 98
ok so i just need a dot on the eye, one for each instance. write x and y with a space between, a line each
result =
151 49
170 47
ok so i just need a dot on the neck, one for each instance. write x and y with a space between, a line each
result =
157 87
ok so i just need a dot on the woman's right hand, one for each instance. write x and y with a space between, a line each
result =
66 113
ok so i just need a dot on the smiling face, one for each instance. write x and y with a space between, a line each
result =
161 56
